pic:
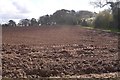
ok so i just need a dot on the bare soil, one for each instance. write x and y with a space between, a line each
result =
58 51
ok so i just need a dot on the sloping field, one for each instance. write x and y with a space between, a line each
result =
58 51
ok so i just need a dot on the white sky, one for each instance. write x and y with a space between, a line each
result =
21 9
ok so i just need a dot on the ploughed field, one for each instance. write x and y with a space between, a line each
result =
50 51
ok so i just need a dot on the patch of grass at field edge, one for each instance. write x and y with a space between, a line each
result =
103 29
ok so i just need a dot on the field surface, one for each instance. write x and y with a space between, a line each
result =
58 51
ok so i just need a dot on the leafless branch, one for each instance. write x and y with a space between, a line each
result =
98 4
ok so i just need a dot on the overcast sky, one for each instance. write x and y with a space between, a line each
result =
21 9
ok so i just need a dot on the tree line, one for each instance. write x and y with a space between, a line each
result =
60 17
105 19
